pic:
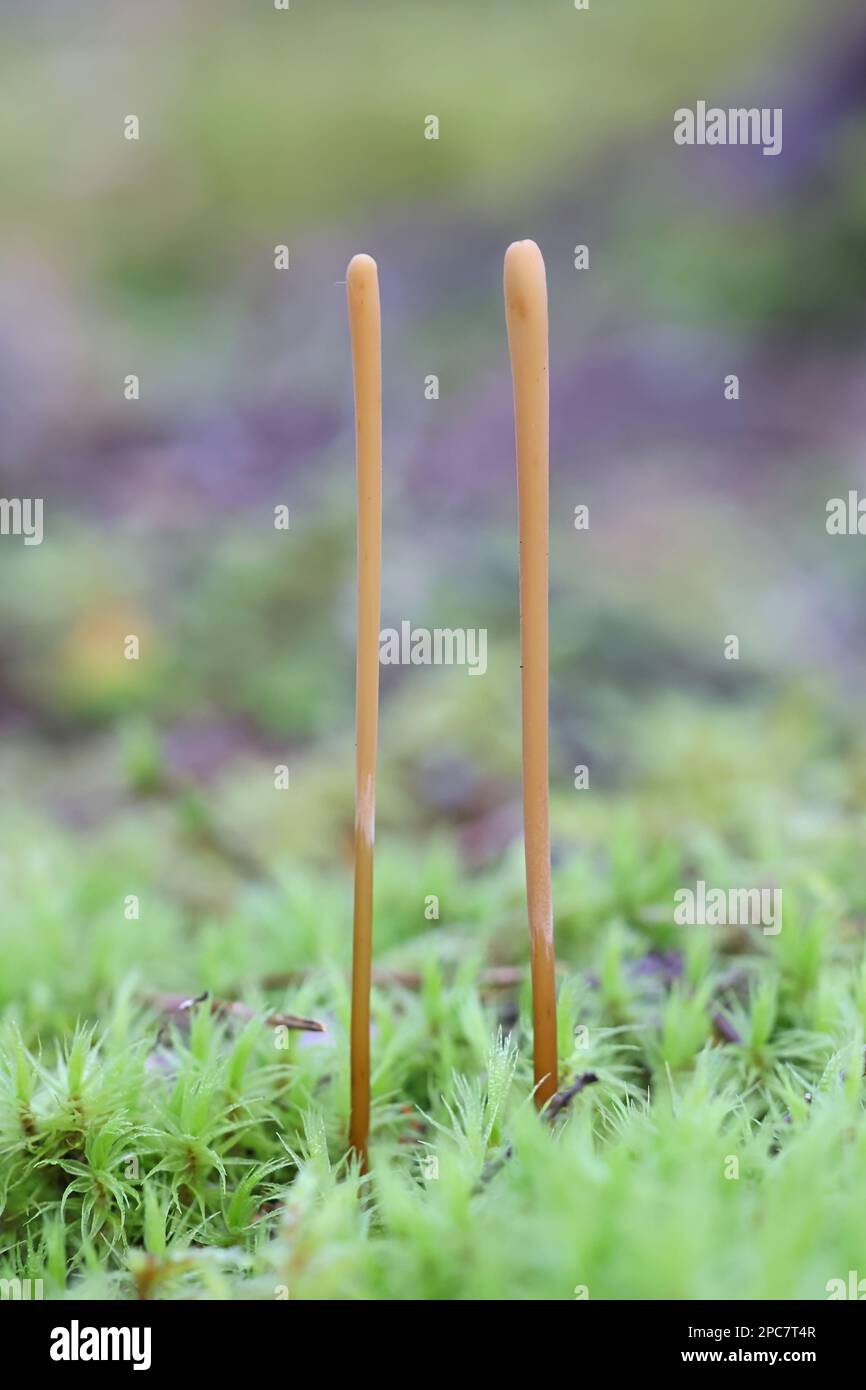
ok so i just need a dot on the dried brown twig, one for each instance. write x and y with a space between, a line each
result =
563 1098
177 1006
492 978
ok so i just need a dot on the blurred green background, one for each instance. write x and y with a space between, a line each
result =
156 257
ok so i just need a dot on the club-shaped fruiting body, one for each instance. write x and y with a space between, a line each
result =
526 318
362 282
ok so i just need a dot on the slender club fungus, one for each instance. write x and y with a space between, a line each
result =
366 333
526 318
